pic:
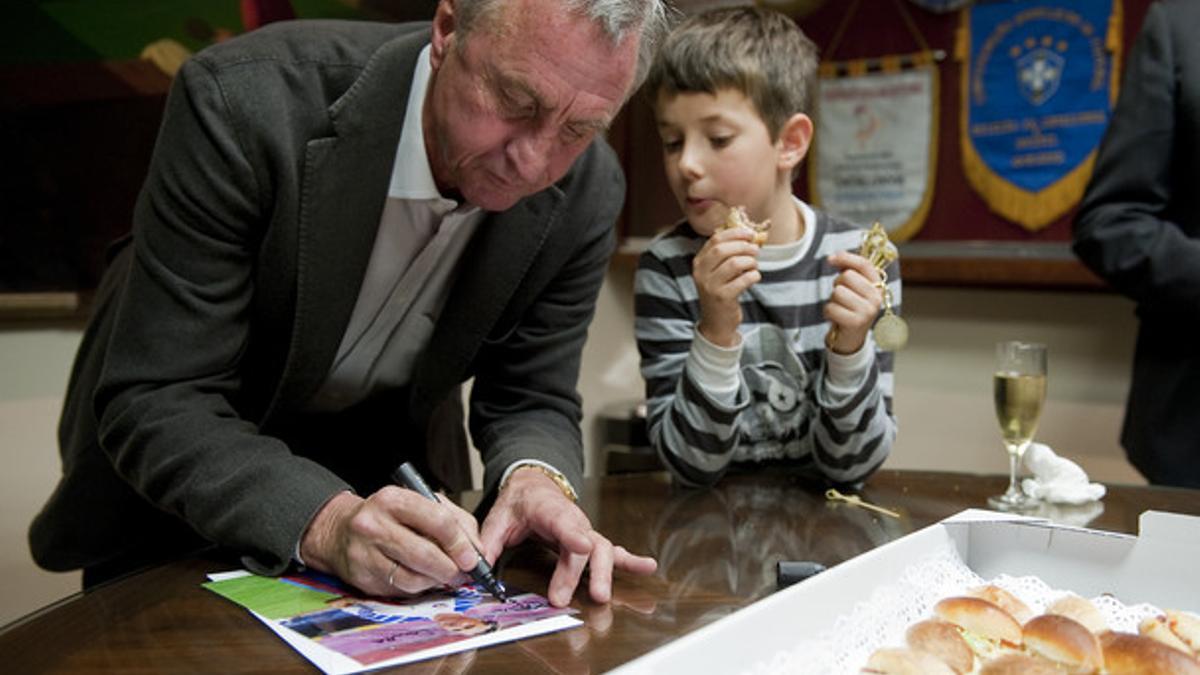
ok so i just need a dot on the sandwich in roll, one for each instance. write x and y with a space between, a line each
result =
1186 627
1158 628
1019 664
1004 600
988 630
898 661
1064 641
1129 654
1080 609
943 641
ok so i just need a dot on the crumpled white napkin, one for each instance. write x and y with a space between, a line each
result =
1057 479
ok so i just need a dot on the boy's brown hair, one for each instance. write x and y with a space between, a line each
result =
756 51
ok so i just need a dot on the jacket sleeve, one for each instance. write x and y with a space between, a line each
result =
1124 230
166 402
524 400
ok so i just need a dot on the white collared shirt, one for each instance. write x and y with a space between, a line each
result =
414 262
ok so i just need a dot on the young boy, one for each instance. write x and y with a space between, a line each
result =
755 354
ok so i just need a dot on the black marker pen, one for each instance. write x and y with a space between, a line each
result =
407 476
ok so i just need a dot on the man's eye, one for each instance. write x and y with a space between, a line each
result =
515 107
573 134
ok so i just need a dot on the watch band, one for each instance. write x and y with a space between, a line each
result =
560 480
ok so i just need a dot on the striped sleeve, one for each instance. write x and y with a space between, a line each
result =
854 431
694 433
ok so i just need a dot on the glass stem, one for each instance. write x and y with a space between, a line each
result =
1013 459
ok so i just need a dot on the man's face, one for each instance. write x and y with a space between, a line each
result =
509 111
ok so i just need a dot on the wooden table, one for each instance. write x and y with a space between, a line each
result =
716 548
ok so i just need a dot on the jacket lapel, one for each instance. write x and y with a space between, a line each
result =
492 268
344 187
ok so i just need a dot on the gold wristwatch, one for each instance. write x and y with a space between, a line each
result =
560 480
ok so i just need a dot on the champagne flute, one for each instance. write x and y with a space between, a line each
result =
1019 389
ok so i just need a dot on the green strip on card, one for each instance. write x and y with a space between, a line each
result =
270 597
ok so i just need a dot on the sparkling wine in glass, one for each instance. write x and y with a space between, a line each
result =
1019 389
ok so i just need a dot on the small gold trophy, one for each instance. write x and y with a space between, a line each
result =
891 332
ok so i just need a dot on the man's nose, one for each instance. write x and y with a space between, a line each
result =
529 153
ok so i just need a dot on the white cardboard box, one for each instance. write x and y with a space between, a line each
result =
1160 566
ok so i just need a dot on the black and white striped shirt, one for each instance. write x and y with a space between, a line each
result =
787 401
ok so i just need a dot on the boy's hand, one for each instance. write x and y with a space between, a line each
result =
725 266
855 301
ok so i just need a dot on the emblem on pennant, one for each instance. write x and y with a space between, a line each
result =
1039 82
875 145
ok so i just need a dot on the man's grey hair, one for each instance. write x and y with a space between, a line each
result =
617 18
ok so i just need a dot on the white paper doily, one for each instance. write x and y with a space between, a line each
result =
881 621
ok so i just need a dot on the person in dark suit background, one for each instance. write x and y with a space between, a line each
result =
341 223
1139 229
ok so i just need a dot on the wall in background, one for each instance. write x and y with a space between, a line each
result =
35 364
943 397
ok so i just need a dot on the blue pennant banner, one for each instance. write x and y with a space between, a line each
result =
1039 84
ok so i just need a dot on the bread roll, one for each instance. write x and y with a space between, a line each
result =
1004 600
1064 641
1083 611
942 641
737 218
980 617
896 661
1019 664
1128 653
1156 627
1186 627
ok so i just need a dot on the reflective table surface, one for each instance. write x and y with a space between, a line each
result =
717 551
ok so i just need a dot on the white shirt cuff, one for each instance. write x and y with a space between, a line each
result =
715 369
844 373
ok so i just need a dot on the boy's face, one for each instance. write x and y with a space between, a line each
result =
717 152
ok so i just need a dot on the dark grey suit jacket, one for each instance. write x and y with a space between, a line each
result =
1139 228
185 417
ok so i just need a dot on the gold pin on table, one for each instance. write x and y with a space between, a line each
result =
854 500
891 332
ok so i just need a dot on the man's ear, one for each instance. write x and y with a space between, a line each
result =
444 23
794 140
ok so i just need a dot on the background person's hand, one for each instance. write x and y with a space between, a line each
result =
532 504
725 266
394 542
855 301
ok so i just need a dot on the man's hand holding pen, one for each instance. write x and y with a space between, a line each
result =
394 542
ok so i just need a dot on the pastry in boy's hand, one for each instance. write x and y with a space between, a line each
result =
737 218
943 641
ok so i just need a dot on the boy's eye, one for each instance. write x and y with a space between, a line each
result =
720 141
